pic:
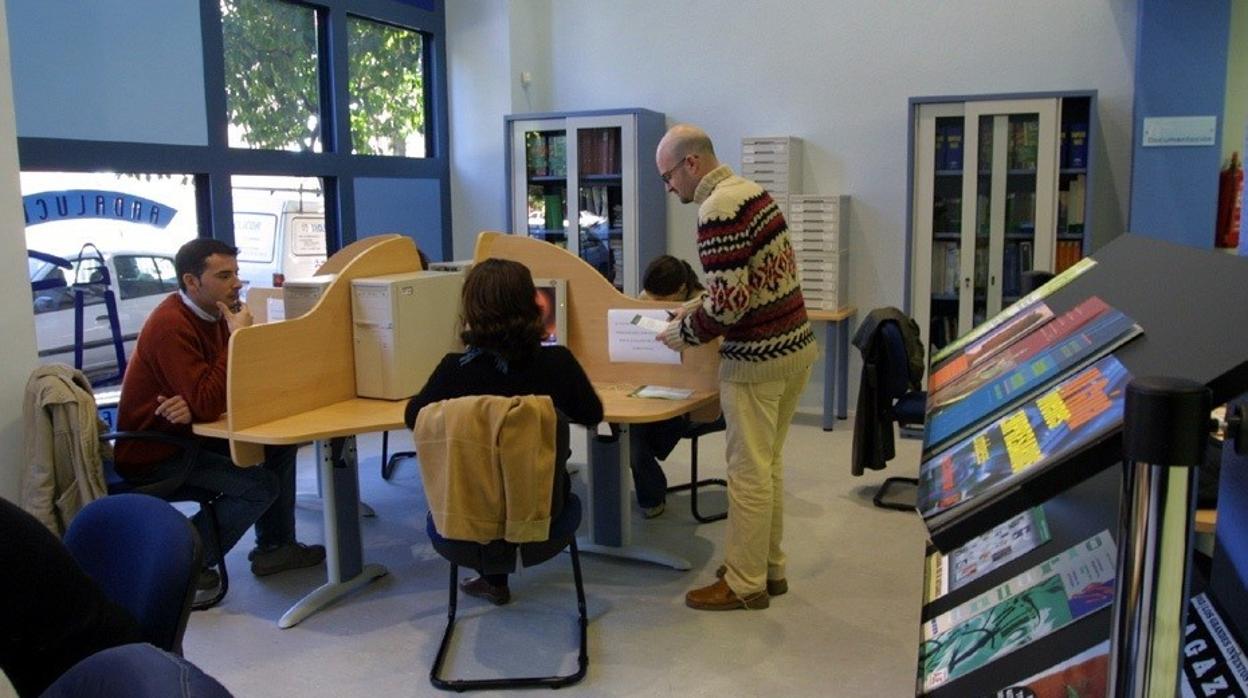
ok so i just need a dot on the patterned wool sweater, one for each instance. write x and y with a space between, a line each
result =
753 297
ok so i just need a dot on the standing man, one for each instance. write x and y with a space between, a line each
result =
177 376
754 302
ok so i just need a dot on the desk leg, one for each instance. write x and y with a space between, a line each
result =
830 349
842 370
610 528
344 556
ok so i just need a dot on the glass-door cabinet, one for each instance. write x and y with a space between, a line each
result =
996 186
584 181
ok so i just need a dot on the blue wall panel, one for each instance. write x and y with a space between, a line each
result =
412 207
1180 70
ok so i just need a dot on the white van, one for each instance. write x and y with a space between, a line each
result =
140 280
278 243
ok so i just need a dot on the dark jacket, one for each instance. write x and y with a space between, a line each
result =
873 422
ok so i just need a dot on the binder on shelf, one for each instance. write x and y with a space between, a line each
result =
535 153
942 151
953 147
1078 148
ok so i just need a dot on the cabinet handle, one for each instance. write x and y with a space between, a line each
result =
966 283
992 280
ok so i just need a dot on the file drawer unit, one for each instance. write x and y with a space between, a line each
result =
774 162
819 231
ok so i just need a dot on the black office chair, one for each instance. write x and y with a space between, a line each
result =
499 557
905 405
693 432
145 556
389 463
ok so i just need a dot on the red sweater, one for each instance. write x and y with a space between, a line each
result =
178 353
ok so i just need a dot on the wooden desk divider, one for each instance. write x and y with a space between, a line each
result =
590 295
285 368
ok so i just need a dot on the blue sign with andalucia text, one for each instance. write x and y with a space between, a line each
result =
48 206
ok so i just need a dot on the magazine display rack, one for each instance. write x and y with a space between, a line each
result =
1034 540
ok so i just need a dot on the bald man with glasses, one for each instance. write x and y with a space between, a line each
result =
753 301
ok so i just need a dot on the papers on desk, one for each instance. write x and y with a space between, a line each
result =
662 392
629 341
275 309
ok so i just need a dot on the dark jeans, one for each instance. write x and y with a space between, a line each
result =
263 495
647 445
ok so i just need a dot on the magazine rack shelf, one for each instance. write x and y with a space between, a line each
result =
1191 306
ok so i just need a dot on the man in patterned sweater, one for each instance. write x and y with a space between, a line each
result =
754 302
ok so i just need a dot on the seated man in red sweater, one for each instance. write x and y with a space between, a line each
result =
176 377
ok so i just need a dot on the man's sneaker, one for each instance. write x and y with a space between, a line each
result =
285 557
775 587
480 588
655 511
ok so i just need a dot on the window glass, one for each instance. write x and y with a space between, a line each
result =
387 89
272 89
279 227
129 224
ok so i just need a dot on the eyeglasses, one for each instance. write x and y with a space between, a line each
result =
667 176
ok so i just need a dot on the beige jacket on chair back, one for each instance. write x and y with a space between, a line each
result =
488 465
63 451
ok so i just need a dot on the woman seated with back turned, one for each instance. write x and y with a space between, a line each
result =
502 335
667 279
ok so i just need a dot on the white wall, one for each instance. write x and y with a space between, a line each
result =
17 341
838 74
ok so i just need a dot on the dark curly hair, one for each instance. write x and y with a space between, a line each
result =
499 310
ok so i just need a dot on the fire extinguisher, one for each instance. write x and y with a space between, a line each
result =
1230 200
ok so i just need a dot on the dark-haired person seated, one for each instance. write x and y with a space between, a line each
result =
667 278
176 377
502 335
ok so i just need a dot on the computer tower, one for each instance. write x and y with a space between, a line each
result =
299 296
403 325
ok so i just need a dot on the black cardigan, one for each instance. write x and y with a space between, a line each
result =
552 371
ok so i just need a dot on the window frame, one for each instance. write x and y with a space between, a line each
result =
337 168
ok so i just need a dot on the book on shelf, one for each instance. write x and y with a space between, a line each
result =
1050 287
556 154
535 153
1046 598
953 146
1030 341
972 406
1077 151
1022 443
939 163
987 346
1007 541
1214 664
1085 675
1075 203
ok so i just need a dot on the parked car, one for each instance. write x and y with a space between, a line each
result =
139 280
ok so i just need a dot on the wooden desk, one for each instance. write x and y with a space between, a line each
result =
333 428
835 362
294 381
609 477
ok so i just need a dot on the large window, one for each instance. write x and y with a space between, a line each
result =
309 105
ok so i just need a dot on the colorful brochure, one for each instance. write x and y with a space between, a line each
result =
1085 675
1005 542
981 350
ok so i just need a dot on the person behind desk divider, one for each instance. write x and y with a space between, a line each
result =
177 376
502 335
754 301
666 279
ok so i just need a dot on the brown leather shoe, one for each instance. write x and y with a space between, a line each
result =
480 588
775 587
719 597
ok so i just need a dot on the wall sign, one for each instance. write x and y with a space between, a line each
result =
1163 131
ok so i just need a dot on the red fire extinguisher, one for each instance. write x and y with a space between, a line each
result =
1230 200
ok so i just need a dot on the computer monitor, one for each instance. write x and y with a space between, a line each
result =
552 297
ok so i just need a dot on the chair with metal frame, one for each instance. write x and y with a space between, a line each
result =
693 431
906 407
498 557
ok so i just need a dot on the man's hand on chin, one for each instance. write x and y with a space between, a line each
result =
236 319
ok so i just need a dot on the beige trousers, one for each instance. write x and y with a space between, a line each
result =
758 417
